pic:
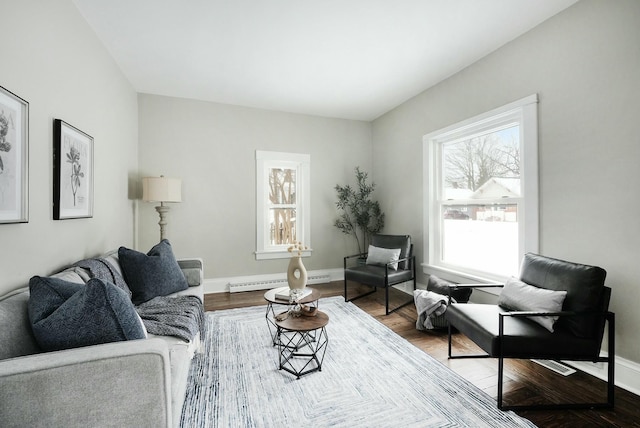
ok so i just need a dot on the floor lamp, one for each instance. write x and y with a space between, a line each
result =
162 189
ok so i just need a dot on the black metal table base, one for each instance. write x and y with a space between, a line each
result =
273 328
300 352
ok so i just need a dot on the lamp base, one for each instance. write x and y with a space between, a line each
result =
162 210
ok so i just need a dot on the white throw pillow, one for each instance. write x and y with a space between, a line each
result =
519 296
382 256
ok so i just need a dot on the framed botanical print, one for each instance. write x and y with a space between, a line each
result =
72 172
14 158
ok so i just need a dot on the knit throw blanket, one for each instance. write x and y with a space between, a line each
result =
180 316
100 268
428 304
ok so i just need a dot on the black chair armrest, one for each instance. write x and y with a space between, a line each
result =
356 255
353 256
487 285
410 258
608 316
526 314
522 314
483 285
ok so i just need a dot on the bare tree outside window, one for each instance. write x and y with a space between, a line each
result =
282 197
283 189
471 163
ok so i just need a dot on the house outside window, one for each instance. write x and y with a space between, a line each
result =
282 203
482 191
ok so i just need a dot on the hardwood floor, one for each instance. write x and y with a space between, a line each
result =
525 381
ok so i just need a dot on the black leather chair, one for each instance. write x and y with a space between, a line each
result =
577 334
382 275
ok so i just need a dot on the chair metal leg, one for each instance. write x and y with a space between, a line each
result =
345 290
611 337
404 304
449 331
408 302
358 296
386 299
500 378
609 359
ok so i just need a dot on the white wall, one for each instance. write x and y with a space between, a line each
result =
585 65
52 59
211 147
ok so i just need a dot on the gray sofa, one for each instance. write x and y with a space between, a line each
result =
139 383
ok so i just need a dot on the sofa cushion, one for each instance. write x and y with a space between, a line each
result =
156 273
112 258
68 315
76 275
516 295
16 338
192 270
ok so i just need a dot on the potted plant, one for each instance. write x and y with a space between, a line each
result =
360 216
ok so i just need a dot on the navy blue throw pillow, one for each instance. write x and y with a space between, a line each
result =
156 273
67 315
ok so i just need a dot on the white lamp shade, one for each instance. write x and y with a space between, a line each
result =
161 189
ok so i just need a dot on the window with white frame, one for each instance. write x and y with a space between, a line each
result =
481 187
282 203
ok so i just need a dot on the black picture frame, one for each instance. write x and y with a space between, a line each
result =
72 172
14 158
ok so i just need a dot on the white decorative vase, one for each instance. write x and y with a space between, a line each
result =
296 274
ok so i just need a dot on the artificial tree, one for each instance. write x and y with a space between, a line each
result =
360 216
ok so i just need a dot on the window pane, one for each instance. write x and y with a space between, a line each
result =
481 237
483 167
282 222
282 186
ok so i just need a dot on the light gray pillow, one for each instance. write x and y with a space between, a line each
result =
519 296
382 256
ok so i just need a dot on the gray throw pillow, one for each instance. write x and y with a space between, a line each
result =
156 273
66 315
382 256
519 296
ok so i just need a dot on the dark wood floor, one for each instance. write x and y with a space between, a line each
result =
524 381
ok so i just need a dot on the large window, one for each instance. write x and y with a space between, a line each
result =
282 205
482 194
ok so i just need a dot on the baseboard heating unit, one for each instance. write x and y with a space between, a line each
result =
273 283
556 367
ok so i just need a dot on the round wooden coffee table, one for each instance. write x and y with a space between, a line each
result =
302 343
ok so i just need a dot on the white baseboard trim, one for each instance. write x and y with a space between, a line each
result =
627 373
221 285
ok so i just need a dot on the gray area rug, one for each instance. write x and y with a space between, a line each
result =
371 377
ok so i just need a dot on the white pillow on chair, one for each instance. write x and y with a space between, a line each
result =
520 296
382 256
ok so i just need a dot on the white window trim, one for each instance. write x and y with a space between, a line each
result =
526 109
302 164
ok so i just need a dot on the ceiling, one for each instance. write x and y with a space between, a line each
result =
352 59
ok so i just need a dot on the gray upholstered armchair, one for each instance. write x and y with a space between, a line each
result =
389 261
556 310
